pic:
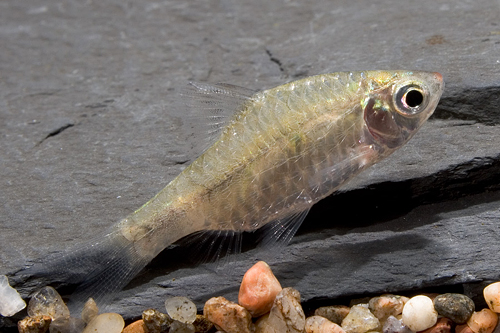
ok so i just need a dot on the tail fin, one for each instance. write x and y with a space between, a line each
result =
98 269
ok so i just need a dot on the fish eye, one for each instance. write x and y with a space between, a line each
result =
410 99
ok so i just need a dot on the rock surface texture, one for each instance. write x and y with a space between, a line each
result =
91 127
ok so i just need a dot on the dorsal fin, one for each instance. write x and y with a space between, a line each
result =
210 108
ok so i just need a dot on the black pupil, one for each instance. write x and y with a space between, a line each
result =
414 98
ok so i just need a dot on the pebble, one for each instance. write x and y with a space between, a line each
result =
179 327
136 327
67 325
10 300
360 320
394 325
228 316
47 302
443 325
483 321
38 324
90 311
419 313
155 321
106 323
334 313
258 289
387 305
492 296
463 329
181 309
202 324
318 324
457 307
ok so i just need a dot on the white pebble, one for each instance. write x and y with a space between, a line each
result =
10 301
48 302
181 309
106 323
419 313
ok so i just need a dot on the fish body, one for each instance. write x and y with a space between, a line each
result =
283 150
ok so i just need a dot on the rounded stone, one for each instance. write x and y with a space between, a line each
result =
459 308
258 289
419 313
135 327
318 324
394 325
492 296
228 316
360 320
106 323
155 321
483 321
334 313
386 305
181 309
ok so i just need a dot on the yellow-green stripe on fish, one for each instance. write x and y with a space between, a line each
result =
282 150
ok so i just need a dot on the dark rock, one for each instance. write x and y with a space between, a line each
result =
457 307
90 130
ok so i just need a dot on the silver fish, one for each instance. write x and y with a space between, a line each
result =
283 150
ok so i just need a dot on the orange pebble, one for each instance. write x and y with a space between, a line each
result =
135 327
483 321
258 289
443 325
463 329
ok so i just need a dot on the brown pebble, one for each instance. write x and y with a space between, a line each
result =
334 313
385 306
228 316
38 324
463 329
155 321
443 325
135 327
202 324
318 324
258 289
483 321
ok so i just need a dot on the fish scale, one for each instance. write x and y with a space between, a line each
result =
285 149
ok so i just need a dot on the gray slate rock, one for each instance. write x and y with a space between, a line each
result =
91 128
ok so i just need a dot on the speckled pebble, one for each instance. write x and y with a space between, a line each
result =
258 289
318 324
443 325
135 327
483 321
228 316
386 305
202 324
334 313
492 296
457 307
360 320
47 301
38 324
106 323
181 308
155 321
90 310
394 325
419 313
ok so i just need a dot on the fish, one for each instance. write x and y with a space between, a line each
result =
276 153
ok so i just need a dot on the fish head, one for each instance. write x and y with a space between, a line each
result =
398 103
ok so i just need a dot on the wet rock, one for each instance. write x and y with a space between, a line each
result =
181 308
334 313
228 316
319 324
38 324
483 321
386 305
419 313
394 325
155 321
90 310
10 300
443 325
106 323
48 302
459 308
492 296
258 289
136 327
202 324
360 320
